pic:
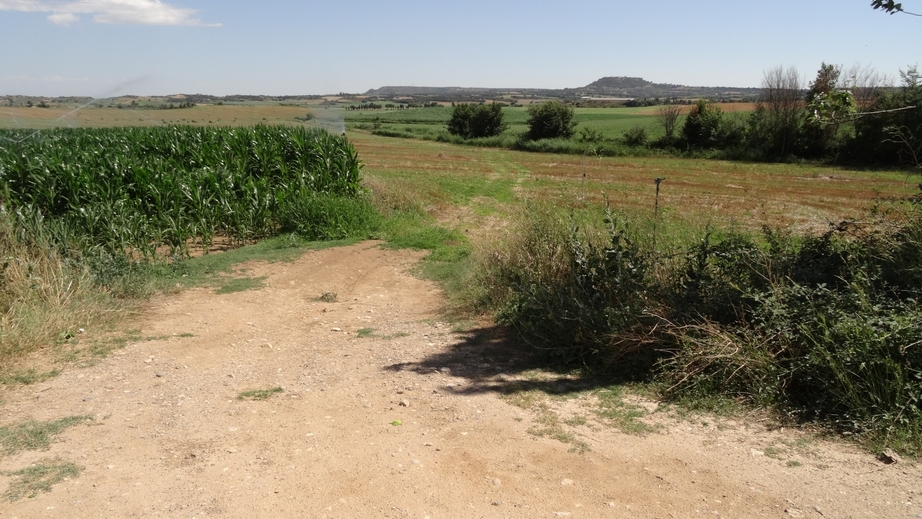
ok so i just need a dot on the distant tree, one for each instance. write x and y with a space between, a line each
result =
550 120
894 131
668 117
702 127
783 103
827 80
472 121
828 106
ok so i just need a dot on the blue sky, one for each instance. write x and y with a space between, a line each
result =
103 48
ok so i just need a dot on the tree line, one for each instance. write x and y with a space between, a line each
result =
852 116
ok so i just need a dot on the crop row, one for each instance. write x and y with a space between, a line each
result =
140 189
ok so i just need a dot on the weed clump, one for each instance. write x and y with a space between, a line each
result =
259 394
822 328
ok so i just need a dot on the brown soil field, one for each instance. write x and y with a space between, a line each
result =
725 107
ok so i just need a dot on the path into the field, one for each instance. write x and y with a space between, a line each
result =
402 419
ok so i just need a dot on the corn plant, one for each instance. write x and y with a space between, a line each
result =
143 190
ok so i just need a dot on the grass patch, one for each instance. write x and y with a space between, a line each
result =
366 333
25 377
774 452
624 416
576 420
39 478
241 285
34 435
99 348
259 394
549 425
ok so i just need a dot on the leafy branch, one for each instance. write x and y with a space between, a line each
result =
891 7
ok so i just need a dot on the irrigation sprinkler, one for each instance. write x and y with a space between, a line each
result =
658 181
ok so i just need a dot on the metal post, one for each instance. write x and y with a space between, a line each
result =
658 180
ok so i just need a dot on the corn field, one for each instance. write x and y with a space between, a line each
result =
147 190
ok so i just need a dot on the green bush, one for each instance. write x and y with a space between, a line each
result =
826 328
550 120
470 121
635 136
702 128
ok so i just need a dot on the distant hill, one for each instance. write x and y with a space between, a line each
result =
616 87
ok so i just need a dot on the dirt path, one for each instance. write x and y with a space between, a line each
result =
405 419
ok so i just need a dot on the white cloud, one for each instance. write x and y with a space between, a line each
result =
135 12
63 19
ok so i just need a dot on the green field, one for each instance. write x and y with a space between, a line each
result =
429 122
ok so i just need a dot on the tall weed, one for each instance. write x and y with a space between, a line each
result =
826 328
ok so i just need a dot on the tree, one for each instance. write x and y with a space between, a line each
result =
828 106
550 120
668 117
827 79
892 126
865 84
472 121
783 104
702 127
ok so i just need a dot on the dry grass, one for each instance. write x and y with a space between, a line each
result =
43 299
202 115
721 193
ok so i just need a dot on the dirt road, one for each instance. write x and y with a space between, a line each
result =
385 412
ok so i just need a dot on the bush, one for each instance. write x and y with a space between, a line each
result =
473 121
635 136
702 127
550 120
827 329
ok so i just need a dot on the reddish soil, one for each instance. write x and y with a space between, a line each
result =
403 419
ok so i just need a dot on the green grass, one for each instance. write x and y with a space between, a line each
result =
241 285
624 416
259 394
549 425
429 123
35 435
39 478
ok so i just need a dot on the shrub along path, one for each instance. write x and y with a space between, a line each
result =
333 391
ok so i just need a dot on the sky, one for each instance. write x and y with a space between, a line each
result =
106 48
